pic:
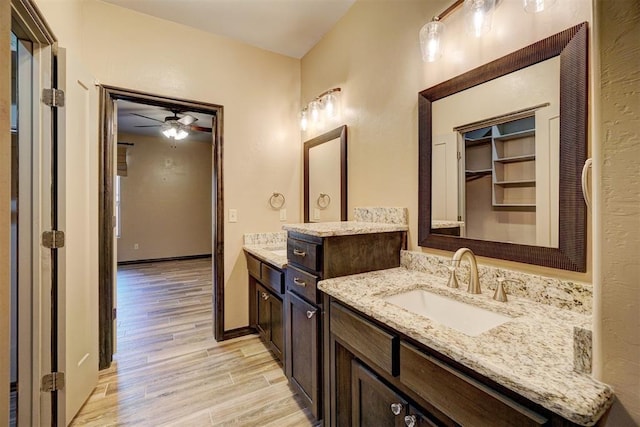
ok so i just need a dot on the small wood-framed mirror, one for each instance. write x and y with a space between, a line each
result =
569 253
325 177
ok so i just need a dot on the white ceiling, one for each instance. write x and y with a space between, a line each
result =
289 27
128 122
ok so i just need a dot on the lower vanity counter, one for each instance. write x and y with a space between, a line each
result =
531 355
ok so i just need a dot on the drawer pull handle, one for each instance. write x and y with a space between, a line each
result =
265 296
410 421
396 408
299 282
298 252
310 313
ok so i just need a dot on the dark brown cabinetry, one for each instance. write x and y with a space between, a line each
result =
311 259
378 372
266 289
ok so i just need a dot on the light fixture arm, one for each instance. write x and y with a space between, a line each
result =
456 4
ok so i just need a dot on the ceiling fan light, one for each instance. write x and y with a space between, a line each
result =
181 133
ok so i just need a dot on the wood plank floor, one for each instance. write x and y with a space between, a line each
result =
168 369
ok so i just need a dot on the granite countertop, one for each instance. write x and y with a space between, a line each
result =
531 354
443 223
276 255
343 228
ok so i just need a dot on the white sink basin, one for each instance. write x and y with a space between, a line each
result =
280 252
462 317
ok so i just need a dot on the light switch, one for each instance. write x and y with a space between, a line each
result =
233 215
283 214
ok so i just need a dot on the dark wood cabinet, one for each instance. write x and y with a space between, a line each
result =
303 350
374 404
433 389
266 287
269 319
311 259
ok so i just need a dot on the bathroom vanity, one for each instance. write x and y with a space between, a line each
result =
402 368
318 251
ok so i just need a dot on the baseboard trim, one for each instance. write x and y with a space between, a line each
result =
176 258
238 332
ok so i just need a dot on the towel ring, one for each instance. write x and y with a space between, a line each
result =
276 201
324 200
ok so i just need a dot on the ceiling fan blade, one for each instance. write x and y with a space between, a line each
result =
200 128
150 118
187 119
147 126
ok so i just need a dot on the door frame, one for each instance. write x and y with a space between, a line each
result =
107 123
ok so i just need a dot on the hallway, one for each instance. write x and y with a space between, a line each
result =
168 369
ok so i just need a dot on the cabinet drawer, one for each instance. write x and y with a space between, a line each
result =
304 254
272 278
374 343
253 265
303 284
462 398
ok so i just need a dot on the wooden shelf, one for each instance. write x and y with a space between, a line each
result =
515 205
478 172
470 142
515 159
515 135
518 183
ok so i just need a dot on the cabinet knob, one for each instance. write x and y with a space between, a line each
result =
265 296
410 421
396 408
299 282
298 252
310 313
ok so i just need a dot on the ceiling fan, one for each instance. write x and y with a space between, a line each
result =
174 126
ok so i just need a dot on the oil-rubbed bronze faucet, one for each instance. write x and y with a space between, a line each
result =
474 280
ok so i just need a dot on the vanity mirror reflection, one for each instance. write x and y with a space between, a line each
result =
325 177
501 153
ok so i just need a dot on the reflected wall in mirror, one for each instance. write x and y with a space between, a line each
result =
325 177
501 152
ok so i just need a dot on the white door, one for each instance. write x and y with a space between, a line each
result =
77 200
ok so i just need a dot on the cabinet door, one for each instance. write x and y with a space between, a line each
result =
373 402
303 326
277 327
263 315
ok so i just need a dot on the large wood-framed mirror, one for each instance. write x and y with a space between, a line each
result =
325 177
555 199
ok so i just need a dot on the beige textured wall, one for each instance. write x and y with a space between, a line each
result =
373 53
258 89
617 204
5 205
165 198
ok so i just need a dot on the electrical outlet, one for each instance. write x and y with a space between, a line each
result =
136 246
316 213
283 214
233 215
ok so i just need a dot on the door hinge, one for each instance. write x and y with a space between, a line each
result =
53 97
115 313
52 382
459 155
53 239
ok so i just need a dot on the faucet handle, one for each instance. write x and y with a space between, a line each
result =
453 279
500 294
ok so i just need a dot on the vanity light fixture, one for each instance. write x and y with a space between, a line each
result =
535 6
430 39
322 107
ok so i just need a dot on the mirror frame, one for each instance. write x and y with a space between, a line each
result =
341 133
571 45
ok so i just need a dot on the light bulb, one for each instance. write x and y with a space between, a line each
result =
430 40
303 120
478 15
314 108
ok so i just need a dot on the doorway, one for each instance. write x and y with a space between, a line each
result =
109 99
